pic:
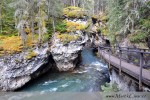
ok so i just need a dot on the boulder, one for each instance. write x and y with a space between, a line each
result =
67 56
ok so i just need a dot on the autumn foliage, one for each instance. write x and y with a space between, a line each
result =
13 44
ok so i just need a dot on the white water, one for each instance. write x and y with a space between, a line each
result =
88 77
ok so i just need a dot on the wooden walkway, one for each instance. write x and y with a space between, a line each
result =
128 68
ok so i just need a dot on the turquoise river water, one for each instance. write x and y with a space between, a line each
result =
88 77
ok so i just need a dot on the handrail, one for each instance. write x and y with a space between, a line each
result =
137 50
120 48
132 48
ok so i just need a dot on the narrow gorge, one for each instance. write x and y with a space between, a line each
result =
62 45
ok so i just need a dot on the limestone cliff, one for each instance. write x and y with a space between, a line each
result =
18 69
67 55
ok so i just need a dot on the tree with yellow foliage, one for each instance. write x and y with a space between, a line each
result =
41 17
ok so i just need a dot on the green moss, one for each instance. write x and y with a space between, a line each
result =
103 30
74 12
46 37
110 87
73 26
136 60
30 55
66 38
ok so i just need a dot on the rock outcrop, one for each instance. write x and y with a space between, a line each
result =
68 55
18 69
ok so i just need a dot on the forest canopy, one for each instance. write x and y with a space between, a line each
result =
35 21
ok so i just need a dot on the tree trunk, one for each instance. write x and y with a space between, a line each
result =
39 31
83 4
32 20
0 17
23 35
32 27
39 25
53 22
74 3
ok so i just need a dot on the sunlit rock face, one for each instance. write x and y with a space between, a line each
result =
67 55
16 70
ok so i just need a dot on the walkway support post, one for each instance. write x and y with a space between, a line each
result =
120 54
141 67
99 52
109 58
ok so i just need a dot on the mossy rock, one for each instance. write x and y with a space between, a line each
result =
73 26
108 87
31 55
100 17
74 12
66 38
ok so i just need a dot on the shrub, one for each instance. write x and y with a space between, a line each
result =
138 37
145 23
108 87
61 27
100 17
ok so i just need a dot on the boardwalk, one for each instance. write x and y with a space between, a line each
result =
128 68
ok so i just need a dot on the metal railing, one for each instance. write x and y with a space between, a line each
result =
142 56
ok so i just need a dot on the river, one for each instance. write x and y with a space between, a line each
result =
88 77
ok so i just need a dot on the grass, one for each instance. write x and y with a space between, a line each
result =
13 44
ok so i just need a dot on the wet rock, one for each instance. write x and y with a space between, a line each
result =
16 70
67 55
